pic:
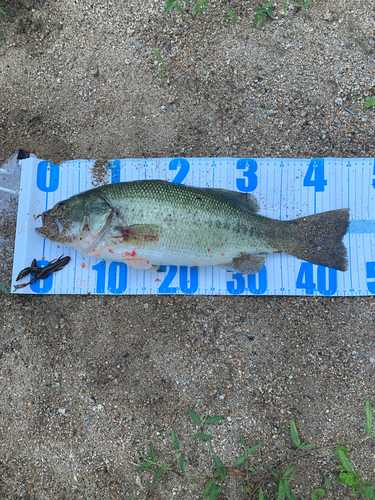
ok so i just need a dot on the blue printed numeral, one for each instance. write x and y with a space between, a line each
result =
115 169
47 172
262 277
186 286
305 279
42 286
249 180
183 167
236 286
315 175
322 280
117 277
370 275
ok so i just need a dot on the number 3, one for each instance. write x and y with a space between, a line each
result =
249 168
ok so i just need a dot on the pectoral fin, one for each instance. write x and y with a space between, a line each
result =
139 232
245 264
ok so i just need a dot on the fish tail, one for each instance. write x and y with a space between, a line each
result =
318 239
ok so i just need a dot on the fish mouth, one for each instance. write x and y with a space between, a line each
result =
51 228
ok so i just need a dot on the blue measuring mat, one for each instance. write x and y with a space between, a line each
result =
285 188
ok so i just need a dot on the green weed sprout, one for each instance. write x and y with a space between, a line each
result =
261 13
369 102
231 15
197 9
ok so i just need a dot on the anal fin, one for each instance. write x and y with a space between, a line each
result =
138 263
245 263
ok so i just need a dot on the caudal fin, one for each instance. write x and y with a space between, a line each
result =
320 239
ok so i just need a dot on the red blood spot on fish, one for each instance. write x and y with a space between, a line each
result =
133 210
110 250
200 199
208 250
222 254
157 279
83 264
130 254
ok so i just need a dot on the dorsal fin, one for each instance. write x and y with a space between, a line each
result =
245 200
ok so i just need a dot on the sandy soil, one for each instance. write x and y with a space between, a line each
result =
87 382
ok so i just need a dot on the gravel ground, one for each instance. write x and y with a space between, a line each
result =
87 382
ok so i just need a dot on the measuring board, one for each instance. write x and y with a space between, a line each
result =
285 188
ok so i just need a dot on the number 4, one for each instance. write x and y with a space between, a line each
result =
315 175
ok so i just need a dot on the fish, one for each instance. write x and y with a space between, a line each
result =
152 223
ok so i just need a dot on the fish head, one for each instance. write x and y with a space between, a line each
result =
78 222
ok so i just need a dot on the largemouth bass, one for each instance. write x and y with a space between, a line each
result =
151 223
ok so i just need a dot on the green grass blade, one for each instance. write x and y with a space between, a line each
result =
162 71
181 462
205 437
307 4
270 13
281 491
169 5
179 8
212 420
294 434
144 466
368 418
132 497
157 475
344 459
207 489
239 461
175 440
152 453
261 17
293 474
2 11
258 10
213 492
286 474
261 497
276 474
254 448
243 444
287 491
157 54
194 417
235 20
219 466
306 446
